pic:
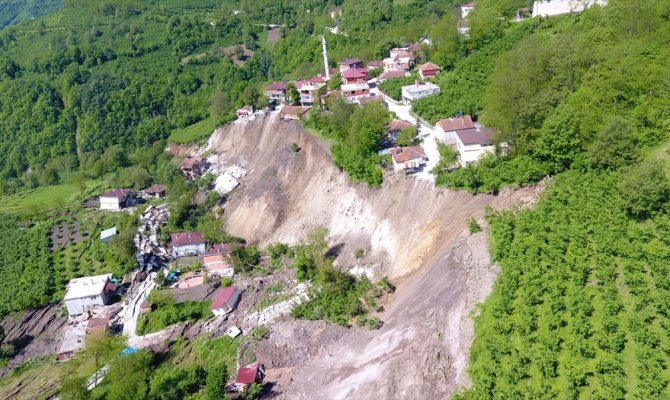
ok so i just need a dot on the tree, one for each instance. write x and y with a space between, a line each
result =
217 378
293 94
128 376
100 348
644 188
614 146
74 388
406 137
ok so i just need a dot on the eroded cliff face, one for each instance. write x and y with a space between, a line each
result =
402 225
413 233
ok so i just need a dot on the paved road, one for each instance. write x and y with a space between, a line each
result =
429 136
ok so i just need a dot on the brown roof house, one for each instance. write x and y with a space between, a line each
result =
473 143
398 125
449 126
277 92
225 300
192 167
428 70
247 376
157 190
187 244
294 113
408 159
115 200
350 63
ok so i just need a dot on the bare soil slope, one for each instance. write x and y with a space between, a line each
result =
403 224
415 234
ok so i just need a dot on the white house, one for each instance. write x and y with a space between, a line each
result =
419 90
473 143
187 244
114 200
225 300
87 292
353 92
548 8
408 159
467 8
449 126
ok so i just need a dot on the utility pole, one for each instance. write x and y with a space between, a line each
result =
325 57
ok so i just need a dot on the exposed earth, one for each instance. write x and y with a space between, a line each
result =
409 231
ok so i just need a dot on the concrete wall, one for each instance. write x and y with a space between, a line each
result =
79 306
109 203
188 250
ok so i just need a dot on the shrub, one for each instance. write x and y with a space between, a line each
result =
473 226
359 253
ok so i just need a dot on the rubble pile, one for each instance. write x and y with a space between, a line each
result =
277 310
150 254
227 177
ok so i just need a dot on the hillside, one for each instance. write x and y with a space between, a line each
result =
15 11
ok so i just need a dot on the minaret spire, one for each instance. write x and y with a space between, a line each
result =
325 57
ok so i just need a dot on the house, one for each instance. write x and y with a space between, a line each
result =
87 292
374 64
419 90
351 76
107 234
398 125
277 92
114 200
350 63
372 99
72 340
220 248
402 61
428 70
309 89
385 76
245 112
187 244
190 280
225 300
467 9
294 112
473 143
449 126
156 190
247 376
353 92
218 264
464 27
192 167
408 159
546 8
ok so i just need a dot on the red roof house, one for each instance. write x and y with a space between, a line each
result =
156 190
398 125
355 76
247 376
225 300
408 159
428 70
277 92
391 75
187 244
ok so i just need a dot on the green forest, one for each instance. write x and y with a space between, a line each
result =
92 92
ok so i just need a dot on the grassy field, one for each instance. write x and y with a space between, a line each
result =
47 198
194 133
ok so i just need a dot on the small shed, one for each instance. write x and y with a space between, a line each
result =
108 234
225 300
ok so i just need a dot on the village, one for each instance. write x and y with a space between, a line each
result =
188 267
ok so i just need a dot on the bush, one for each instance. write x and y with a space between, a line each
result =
473 226
359 253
